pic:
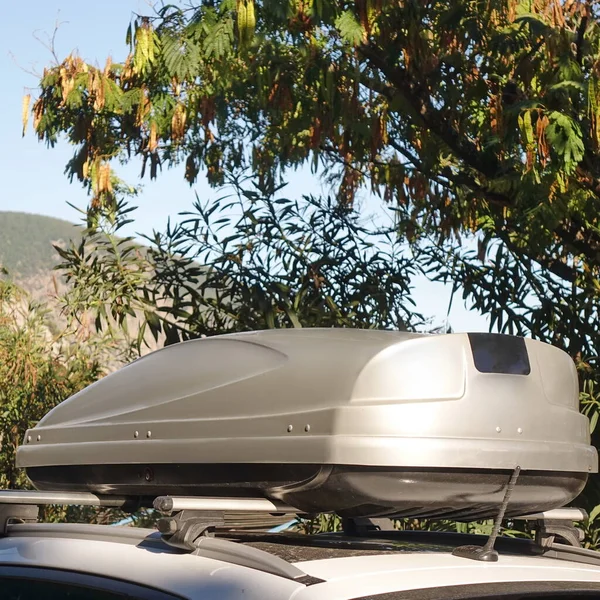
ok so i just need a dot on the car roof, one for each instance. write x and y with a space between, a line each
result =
340 567
399 561
372 575
139 557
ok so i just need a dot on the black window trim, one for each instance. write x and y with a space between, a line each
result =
85 580
506 590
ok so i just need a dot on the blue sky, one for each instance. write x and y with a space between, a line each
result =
33 177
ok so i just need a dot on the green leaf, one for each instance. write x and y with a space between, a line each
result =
569 85
219 39
594 422
594 513
350 29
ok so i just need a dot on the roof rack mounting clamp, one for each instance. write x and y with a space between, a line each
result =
487 553
548 529
190 530
183 528
20 513
363 526
557 523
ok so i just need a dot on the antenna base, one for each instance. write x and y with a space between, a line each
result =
476 553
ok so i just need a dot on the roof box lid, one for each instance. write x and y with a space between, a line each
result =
340 400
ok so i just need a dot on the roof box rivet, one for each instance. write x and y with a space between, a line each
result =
499 429
520 430
136 434
307 428
148 434
290 428
39 438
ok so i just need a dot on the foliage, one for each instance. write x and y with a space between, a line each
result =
37 371
253 260
467 115
330 522
318 524
470 118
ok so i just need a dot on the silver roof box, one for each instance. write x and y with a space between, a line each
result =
359 422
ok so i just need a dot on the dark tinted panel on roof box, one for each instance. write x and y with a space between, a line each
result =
504 354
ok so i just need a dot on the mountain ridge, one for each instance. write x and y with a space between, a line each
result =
26 244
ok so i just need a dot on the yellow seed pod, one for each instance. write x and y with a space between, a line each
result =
250 20
153 141
242 18
142 49
528 128
25 111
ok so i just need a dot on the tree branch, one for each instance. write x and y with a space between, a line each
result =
430 116
581 33
574 235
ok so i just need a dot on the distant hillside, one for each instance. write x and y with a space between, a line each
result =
26 251
26 243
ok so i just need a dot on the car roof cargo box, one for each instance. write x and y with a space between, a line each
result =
359 422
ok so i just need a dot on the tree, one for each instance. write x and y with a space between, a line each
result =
468 117
473 120
243 262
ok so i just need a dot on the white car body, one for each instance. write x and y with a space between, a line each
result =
112 558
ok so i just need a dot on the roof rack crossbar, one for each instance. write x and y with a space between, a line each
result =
567 513
189 522
35 498
164 504
188 519
169 504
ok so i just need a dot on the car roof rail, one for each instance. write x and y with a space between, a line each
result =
185 529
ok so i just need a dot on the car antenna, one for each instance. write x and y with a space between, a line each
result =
487 553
